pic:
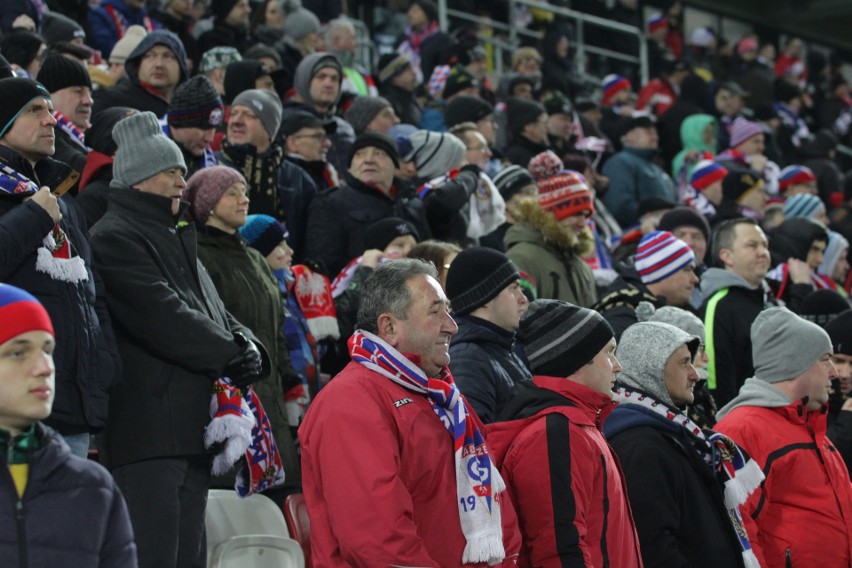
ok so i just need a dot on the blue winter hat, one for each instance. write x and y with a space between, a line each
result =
803 205
264 233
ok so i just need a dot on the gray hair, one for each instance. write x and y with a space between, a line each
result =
386 291
337 25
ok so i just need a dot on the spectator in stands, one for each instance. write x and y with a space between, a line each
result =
154 70
528 130
560 122
218 203
20 14
341 40
692 100
267 23
422 509
752 74
733 296
440 254
426 45
820 153
397 83
230 26
796 179
153 443
673 468
789 62
747 150
306 143
47 252
317 82
487 304
657 28
196 110
805 205
840 419
661 92
24 51
797 249
780 407
663 273
794 130
632 173
176 16
68 501
463 108
728 101
698 142
372 113
248 74
550 448
121 51
551 236
514 184
692 228
71 92
301 37
743 195
279 188
835 264
109 21
336 220
214 63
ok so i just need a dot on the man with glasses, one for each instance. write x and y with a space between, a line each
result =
306 144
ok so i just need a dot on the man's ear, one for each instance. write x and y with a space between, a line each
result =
388 330
724 257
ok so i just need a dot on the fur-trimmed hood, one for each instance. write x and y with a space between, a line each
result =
550 231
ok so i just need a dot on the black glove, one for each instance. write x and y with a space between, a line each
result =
472 168
246 366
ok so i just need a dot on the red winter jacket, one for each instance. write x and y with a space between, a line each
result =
379 479
801 517
563 478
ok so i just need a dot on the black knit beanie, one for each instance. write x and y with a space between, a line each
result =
511 180
16 94
20 47
822 306
465 108
429 8
59 72
381 233
476 276
559 337
221 8
99 135
684 217
522 112
376 140
840 331
196 104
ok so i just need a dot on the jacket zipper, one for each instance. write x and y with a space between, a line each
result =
555 279
788 562
23 561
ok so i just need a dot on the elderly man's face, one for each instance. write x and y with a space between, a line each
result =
32 134
373 167
75 103
245 127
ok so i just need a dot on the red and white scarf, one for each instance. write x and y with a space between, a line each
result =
313 294
477 480
71 129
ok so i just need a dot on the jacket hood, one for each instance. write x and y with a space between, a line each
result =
643 351
157 37
794 237
714 279
694 90
627 416
692 133
755 392
537 225
308 67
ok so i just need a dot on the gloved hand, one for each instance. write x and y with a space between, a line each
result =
472 168
246 366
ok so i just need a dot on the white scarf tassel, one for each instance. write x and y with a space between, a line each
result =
750 560
740 487
64 269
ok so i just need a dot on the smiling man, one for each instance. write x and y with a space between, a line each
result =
384 483
670 464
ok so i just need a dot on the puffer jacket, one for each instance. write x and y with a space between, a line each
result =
551 254
802 514
633 176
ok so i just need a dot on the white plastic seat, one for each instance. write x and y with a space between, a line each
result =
257 551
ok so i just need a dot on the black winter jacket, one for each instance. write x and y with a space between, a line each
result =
484 365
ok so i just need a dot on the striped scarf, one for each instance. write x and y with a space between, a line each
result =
477 479
71 129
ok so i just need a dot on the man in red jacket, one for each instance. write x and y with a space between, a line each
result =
779 418
395 469
563 478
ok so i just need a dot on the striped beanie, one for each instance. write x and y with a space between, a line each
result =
612 85
21 312
511 180
706 173
196 104
803 205
837 248
661 254
657 21
559 337
565 194
743 130
434 153
795 175
391 65
477 276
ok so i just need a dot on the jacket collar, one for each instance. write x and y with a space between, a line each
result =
147 206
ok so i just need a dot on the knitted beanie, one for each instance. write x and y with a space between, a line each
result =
477 276
465 108
524 53
299 23
795 175
242 76
511 180
17 93
206 187
127 44
381 233
20 46
565 194
99 135
557 103
742 130
559 337
434 153
544 165
840 332
661 254
521 112
837 248
265 105
657 21
803 205
363 110
57 28
59 72
143 150
218 57
429 8
822 306
684 217
644 350
458 80
391 65
702 37
21 312
612 85
783 345
221 8
264 233
375 140
740 181
654 205
706 173
196 104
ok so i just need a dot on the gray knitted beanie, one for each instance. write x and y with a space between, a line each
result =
265 105
783 345
363 110
434 153
143 149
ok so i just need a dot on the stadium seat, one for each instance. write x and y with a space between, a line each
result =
296 513
257 551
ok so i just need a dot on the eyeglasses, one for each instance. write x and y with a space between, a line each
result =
319 137
483 149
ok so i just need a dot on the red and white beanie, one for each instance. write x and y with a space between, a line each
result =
706 173
661 254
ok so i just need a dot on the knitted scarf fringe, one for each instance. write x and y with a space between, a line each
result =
234 433
737 489
63 269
